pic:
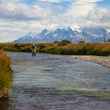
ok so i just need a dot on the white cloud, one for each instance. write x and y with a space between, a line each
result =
19 11
17 19
81 8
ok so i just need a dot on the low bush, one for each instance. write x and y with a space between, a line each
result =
64 47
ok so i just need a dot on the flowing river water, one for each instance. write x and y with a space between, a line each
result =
36 82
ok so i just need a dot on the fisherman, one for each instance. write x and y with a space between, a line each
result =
34 49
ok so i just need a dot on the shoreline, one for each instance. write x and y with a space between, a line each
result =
4 93
101 60
104 61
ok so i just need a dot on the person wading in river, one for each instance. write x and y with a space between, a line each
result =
34 50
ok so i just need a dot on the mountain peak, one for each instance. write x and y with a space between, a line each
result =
91 34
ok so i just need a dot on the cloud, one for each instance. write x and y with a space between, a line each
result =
42 9
99 16
81 8
54 1
22 10
18 12
18 17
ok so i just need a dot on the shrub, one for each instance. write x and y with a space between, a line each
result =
63 42
63 47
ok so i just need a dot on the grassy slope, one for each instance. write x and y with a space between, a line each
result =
5 74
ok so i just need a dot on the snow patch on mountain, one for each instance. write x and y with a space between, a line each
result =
89 34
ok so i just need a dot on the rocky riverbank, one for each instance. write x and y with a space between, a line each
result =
5 75
105 61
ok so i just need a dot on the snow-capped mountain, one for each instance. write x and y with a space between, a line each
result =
95 34
28 38
89 34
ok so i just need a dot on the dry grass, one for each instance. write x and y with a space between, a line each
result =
5 74
99 49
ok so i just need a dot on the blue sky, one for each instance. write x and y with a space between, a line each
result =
18 17
105 3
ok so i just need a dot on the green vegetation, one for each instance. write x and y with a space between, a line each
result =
63 47
5 74
63 42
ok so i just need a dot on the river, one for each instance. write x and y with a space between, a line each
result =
36 81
